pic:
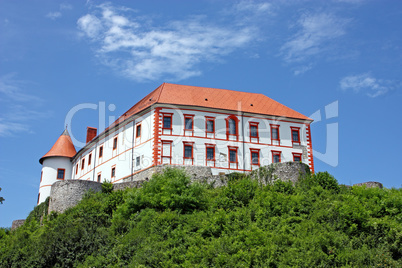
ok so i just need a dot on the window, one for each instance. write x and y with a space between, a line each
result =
137 161
76 169
210 124
255 156
210 153
276 157
99 177
254 131
114 143
232 127
60 173
113 175
89 159
188 122
232 154
100 151
297 157
295 135
82 163
188 150
138 131
41 175
167 121
275 133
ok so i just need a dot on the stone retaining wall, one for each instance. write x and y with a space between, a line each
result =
370 184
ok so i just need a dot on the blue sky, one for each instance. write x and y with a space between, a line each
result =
338 62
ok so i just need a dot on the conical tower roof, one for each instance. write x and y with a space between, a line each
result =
62 147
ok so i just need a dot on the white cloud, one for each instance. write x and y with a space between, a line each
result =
251 6
53 15
315 35
66 6
17 108
144 52
371 86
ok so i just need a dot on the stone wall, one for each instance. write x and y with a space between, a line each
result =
287 171
66 194
370 184
16 224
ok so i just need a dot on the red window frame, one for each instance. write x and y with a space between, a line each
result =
82 163
99 177
298 134
76 169
191 144
64 173
273 126
115 143
138 126
170 154
236 127
113 172
89 159
254 124
274 153
297 155
191 117
171 121
101 151
209 119
209 146
255 151
235 149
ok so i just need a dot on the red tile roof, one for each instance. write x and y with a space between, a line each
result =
62 147
213 98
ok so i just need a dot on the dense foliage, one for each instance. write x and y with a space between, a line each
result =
172 222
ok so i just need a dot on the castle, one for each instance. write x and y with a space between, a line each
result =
181 125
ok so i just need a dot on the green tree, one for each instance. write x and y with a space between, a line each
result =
1 198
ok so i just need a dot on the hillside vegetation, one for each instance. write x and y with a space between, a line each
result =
170 222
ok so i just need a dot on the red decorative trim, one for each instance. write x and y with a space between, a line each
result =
254 124
170 153
99 177
279 136
100 151
163 120
113 170
310 148
82 163
138 125
209 146
157 127
212 119
297 155
188 143
235 149
188 116
115 142
89 159
228 135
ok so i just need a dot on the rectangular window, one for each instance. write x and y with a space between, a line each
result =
138 131
41 175
255 156
209 124
233 155
254 132
188 123
276 157
188 151
100 151
211 153
89 159
275 133
99 177
76 169
113 172
297 157
167 121
60 173
137 161
115 143
82 163
295 135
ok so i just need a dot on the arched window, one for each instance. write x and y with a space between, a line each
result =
232 128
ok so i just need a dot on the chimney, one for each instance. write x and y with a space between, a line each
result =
91 133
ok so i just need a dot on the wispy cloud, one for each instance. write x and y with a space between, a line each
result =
17 108
143 52
367 84
314 36
53 15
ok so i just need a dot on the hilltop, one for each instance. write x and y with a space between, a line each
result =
172 221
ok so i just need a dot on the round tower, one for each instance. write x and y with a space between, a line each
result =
56 164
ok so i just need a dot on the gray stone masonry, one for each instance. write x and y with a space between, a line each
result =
287 171
370 184
66 194
16 224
